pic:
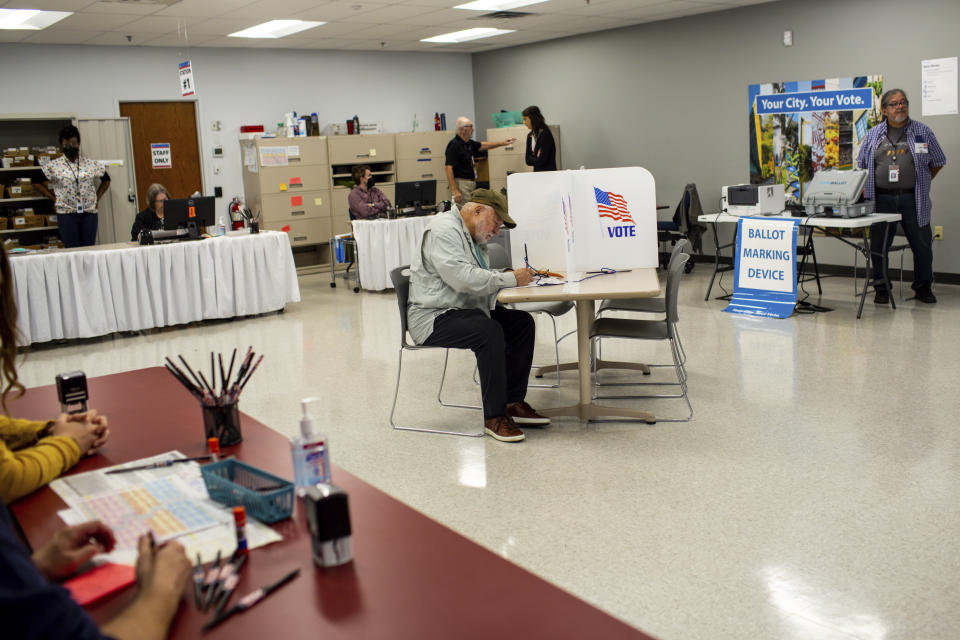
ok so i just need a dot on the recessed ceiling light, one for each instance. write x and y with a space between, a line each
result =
497 5
30 18
468 34
276 29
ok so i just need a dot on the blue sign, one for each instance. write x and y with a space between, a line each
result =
765 283
842 100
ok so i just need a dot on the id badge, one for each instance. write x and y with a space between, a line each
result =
894 175
920 147
79 206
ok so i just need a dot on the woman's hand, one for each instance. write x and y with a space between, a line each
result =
72 546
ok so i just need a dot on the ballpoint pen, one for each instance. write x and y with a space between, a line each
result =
251 599
161 464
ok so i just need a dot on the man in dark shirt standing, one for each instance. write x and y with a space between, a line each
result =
459 162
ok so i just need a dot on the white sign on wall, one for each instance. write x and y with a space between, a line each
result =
160 155
939 80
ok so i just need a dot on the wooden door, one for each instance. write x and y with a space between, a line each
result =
173 123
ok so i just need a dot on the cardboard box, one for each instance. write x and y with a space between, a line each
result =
51 221
21 188
27 222
23 211
3 223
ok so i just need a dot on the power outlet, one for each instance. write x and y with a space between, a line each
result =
938 232
218 192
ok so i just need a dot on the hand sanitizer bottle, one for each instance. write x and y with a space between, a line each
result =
311 454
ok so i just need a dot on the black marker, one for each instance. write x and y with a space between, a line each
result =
251 599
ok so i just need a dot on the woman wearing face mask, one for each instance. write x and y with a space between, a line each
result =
151 217
75 192
365 200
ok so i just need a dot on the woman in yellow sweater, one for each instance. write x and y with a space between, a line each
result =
34 453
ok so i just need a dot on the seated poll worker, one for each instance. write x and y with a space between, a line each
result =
152 217
33 605
34 453
902 157
453 303
365 200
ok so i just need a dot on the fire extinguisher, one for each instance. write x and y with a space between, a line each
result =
436 121
234 209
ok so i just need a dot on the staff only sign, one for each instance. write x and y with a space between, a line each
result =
766 271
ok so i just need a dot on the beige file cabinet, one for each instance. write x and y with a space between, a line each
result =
422 156
355 149
287 181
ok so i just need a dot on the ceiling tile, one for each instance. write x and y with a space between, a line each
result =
94 21
393 13
14 35
113 38
123 7
341 11
162 24
203 8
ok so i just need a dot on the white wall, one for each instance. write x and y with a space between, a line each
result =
242 86
671 96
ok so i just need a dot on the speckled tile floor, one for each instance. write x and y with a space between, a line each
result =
816 493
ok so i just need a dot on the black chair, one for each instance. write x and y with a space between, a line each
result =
400 277
684 225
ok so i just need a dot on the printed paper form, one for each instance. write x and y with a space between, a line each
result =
200 524
273 156
939 83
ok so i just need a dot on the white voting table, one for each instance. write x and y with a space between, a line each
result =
384 245
94 291
830 227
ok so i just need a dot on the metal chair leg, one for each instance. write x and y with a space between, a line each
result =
556 349
443 377
396 393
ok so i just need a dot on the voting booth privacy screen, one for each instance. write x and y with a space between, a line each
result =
586 220
765 281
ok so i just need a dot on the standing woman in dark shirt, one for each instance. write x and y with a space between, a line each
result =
76 195
541 148
151 217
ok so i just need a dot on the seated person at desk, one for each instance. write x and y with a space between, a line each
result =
32 605
34 453
151 217
453 303
365 200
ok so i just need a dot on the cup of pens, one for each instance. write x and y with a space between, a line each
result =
221 415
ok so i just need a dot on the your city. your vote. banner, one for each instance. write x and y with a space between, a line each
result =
765 281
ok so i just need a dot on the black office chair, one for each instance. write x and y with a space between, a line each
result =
684 225
400 277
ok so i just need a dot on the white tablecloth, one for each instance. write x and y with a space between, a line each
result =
124 287
384 245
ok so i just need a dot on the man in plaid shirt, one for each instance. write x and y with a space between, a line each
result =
902 156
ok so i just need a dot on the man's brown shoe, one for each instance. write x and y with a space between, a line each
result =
522 413
503 429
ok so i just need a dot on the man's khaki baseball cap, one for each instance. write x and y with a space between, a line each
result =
495 200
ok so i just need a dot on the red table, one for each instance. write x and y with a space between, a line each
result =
411 577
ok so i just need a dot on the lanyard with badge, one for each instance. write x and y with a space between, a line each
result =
76 174
893 174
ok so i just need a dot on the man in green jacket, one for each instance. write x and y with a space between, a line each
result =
453 303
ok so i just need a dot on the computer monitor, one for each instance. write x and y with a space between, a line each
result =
417 194
190 213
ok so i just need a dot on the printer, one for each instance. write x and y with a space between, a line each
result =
752 199
834 193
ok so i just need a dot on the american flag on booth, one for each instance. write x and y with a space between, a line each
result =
612 205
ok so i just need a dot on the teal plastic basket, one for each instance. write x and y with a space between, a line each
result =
266 497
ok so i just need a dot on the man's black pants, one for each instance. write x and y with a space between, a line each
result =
919 238
503 344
